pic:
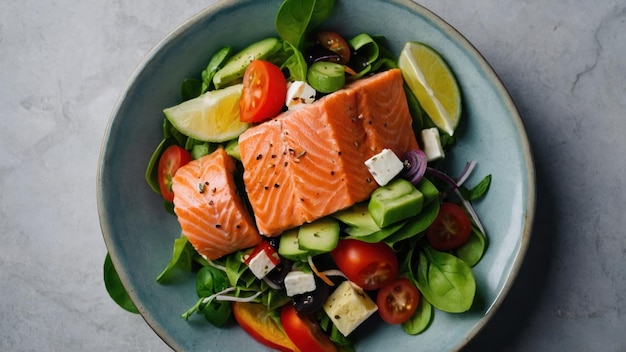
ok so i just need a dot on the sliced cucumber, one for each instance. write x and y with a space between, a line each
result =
288 246
235 67
396 201
326 77
320 236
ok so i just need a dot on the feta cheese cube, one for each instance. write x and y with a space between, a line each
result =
298 94
349 306
261 264
432 144
298 282
384 166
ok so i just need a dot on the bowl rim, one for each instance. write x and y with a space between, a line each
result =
449 30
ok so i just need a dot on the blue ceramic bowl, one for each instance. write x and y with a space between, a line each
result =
139 233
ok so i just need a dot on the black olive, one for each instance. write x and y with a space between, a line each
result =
309 302
358 62
274 242
277 275
318 53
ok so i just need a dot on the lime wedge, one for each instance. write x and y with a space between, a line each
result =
211 117
433 84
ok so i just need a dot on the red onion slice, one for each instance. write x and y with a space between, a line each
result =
414 166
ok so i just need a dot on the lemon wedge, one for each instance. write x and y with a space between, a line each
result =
433 83
211 117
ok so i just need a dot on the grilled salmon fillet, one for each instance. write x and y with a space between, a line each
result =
309 163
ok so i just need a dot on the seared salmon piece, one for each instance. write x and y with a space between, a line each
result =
309 163
209 209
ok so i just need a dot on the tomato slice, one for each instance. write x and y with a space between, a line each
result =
335 43
258 323
369 265
264 92
451 229
304 331
171 160
397 301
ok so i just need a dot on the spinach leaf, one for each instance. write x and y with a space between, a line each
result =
169 131
151 175
182 257
472 251
214 65
171 136
478 191
295 63
345 343
296 18
114 287
445 281
416 225
415 109
190 88
235 268
420 320
209 281
217 312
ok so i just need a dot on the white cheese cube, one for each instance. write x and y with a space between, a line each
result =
348 306
298 94
432 144
261 264
297 282
384 166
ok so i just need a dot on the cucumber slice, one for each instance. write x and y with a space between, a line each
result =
396 201
288 246
326 77
320 236
235 67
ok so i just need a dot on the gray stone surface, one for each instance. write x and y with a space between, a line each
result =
63 63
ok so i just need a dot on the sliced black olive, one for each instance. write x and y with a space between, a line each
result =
318 53
277 275
309 302
358 63
274 242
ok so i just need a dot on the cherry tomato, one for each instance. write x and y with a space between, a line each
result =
335 43
304 331
369 265
257 322
451 228
171 160
397 301
264 92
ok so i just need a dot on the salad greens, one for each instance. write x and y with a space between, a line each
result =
115 288
296 19
444 279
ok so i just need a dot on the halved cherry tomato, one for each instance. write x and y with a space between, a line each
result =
171 160
264 92
304 331
335 43
451 229
369 265
397 301
257 322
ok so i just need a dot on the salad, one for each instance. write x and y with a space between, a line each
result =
400 253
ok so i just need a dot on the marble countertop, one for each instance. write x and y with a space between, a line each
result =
63 64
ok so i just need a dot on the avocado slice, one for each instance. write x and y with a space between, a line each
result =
396 201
